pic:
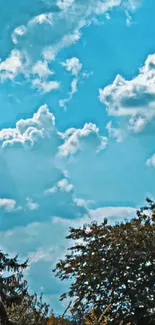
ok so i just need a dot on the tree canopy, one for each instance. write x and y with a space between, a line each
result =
113 265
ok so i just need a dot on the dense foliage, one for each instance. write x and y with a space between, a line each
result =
31 311
17 306
113 265
12 286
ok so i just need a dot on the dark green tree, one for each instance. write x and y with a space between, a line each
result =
113 265
13 287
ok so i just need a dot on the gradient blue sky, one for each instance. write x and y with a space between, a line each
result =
77 119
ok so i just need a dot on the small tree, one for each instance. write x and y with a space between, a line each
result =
113 266
12 286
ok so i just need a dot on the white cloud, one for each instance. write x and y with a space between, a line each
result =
151 161
59 24
41 19
28 132
39 238
28 152
7 205
83 202
41 69
73 65
19 31
138 123
45 241
12 66
63 185
32 205
133 99
28 167
79 139
63 27
33 161
40 255
50 52
115 133
63 102
45 86
132 4
37 74
73 87
65 4
113 214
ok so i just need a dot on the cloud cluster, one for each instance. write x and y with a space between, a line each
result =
133 99
132 103
32 175
86 139
38 74
49 27
62 26
38 198
63 185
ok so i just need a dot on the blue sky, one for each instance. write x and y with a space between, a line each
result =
77 118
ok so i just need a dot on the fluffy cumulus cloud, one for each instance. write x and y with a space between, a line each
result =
63 185
38 201
133 100
31 168
86 139
73 65
7 205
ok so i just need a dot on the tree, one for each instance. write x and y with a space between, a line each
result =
58 321
31 311
113 265
12 286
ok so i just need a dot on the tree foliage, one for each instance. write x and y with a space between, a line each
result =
17 306
113 265
12 285
58 321
31 311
